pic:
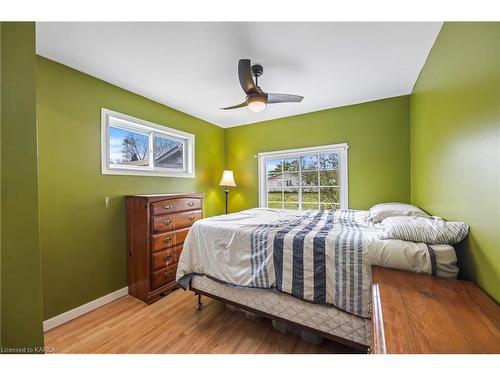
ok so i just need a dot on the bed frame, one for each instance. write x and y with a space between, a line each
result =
198 293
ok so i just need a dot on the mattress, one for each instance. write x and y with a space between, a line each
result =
411 256
326 319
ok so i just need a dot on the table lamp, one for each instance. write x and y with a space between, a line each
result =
227 180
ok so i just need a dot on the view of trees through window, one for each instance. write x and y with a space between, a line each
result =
304 182
126 146
130 148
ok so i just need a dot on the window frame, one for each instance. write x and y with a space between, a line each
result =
150 129
340 148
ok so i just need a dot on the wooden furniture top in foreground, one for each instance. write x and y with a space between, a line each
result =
415 313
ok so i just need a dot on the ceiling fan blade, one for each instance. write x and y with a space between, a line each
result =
241 105
283 98
245 76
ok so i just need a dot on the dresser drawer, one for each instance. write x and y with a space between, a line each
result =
175 221
175 205
166 257
164 276
168 239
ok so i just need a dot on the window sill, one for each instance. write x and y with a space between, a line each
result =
121 172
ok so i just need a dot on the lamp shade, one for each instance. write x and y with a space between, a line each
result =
227 179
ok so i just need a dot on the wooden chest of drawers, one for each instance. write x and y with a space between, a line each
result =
157 226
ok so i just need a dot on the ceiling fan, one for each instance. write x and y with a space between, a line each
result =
257 99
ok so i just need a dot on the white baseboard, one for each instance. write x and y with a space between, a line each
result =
83 309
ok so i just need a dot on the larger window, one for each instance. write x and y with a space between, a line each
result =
304 179
131 146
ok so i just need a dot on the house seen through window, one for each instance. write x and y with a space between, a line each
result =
309 178
134 146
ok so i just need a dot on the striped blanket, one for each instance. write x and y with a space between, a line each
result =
316 256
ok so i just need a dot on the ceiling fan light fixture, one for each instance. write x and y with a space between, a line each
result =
256 103
256 99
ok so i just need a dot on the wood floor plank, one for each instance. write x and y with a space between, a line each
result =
173 325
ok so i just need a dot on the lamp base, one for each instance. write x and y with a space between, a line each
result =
227 194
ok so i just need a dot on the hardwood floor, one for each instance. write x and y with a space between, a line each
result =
173 325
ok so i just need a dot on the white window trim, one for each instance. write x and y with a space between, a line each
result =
137 124
341 148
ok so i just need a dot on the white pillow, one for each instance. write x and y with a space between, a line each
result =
384 210
430 229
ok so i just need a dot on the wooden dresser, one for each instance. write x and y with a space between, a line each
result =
157 226
414 313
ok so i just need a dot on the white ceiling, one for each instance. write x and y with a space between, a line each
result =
192 67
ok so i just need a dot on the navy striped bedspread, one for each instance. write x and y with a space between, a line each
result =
317 257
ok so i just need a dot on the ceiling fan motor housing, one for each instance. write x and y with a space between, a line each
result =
257 70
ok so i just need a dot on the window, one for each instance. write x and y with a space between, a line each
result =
309 178
131 146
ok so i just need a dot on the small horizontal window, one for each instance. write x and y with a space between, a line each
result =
131 146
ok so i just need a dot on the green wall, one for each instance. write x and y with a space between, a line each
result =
377 133
21 297
83 243
455 142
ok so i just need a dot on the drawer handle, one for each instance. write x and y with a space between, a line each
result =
191 217
167 221
167 206
167 239
167 257
191 204
168 273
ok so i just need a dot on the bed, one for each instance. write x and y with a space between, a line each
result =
311 269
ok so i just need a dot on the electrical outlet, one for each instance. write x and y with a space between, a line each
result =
107 202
